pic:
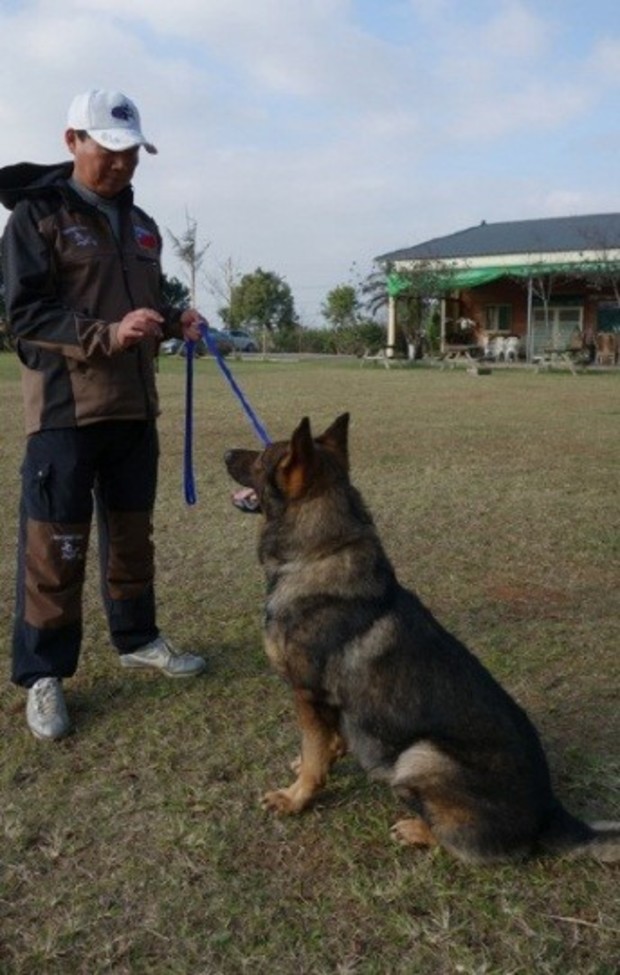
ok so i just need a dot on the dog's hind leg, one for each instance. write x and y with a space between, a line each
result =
317 755
426 778
475 826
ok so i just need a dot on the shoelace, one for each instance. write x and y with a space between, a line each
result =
45 695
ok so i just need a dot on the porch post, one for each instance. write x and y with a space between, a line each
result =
529 334
391 327
442 326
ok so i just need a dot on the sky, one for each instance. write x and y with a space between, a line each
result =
306 137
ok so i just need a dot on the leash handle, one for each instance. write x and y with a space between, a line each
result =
189 485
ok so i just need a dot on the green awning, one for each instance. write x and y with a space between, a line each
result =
440 281
572 269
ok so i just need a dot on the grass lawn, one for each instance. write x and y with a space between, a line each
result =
138 844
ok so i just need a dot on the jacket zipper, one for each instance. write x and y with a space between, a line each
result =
125 221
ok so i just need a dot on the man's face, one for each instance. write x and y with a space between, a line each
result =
101 170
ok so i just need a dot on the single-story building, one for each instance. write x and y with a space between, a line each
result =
551 282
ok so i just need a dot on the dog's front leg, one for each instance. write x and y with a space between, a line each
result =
337 749
316 724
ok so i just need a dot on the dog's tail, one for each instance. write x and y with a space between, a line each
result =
565 835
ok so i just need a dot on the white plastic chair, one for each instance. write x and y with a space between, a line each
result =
497 348
511 348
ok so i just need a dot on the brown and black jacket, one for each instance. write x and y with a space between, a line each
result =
68 283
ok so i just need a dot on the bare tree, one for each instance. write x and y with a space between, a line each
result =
606 271
542 288
189 253
222 283
415 291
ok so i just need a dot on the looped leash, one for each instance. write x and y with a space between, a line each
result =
188 477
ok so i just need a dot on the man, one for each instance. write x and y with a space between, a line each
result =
83 295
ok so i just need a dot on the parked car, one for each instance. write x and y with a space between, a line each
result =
171 347
242 341
177 346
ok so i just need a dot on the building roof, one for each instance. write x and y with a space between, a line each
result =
592 233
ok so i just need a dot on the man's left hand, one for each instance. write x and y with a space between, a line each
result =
191 320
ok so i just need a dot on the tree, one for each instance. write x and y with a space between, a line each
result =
221 283
189 253
175 293
415 292
606 272
542 288
374 290
261 300
342 306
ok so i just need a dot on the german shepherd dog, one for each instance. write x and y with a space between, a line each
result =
375 674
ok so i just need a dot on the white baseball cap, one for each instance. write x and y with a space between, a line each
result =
110 118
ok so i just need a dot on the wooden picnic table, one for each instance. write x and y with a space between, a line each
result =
552 356
454 353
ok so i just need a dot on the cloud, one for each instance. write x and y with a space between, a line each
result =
306 136
604 61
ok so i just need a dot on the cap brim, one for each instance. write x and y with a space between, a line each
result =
118 140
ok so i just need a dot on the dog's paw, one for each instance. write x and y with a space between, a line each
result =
412 832
284 802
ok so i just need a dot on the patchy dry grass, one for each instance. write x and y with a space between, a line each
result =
138 846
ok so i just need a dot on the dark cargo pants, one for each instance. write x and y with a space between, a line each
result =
112 465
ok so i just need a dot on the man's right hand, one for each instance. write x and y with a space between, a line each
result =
137 325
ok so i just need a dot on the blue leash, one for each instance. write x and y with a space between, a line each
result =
188 464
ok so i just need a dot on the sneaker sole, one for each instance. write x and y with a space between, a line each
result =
160 670
41 737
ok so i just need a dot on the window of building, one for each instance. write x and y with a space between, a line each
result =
499 318
557 327
608 316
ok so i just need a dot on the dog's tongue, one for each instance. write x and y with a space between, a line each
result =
246 500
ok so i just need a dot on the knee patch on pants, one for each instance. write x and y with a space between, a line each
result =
55 562
130 554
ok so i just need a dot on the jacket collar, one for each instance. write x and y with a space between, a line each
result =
28 180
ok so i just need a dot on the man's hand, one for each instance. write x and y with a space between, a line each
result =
191 320
137 325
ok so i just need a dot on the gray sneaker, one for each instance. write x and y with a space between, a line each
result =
161 655
46 711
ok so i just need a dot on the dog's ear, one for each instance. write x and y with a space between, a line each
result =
297 465
336 438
